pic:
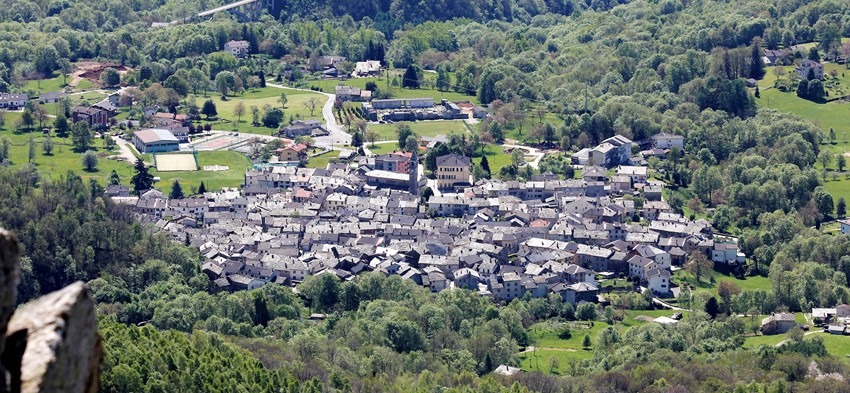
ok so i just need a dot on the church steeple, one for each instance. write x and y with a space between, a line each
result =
413 171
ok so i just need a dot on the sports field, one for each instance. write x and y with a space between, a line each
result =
176 162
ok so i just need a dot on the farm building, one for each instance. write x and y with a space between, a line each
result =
155 140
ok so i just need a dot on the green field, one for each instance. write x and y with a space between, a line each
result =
748 283
544 336
838 346
496 156
55 83
826 116
838 188
64 159
85 84
541 359
295 107
753 342
321 161
835 345
633 316
45 85
382 148
213 181
429 128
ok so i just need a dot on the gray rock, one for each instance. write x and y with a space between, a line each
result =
55 337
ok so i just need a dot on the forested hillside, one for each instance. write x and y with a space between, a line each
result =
562 75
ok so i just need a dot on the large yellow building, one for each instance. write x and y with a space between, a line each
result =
453 170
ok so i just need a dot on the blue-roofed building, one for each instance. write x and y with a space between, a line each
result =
154 140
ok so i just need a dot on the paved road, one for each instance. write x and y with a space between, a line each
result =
785 341
337 137
667 305
125 150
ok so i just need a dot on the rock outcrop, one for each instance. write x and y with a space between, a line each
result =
50 344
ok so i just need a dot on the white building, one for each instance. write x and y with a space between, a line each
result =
239 49
13 100
727 253
668 141
155 140
369 67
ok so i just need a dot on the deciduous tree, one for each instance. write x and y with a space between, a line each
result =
90 161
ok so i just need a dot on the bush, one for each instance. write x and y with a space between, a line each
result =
565 334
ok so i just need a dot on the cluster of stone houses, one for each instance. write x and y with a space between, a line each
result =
501 239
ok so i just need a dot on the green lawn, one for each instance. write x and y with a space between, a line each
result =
496 156
383 148
321 161
754 342
295 107
45 85
55 83
85 84
749 283
430 128
826 116
64 159
838 346
541 359
544 336
838 188
213 181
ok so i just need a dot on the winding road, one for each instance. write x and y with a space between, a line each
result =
337 135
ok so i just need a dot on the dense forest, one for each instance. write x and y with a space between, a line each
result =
557 73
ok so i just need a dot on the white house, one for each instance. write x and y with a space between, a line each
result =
658 281
637 174
668 141
369 67
727 253
238 49
13 100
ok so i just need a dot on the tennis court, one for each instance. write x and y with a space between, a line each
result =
218 143
176 162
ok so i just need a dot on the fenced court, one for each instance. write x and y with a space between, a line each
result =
218 143
176 162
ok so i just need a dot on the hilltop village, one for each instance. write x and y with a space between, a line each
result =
503 239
